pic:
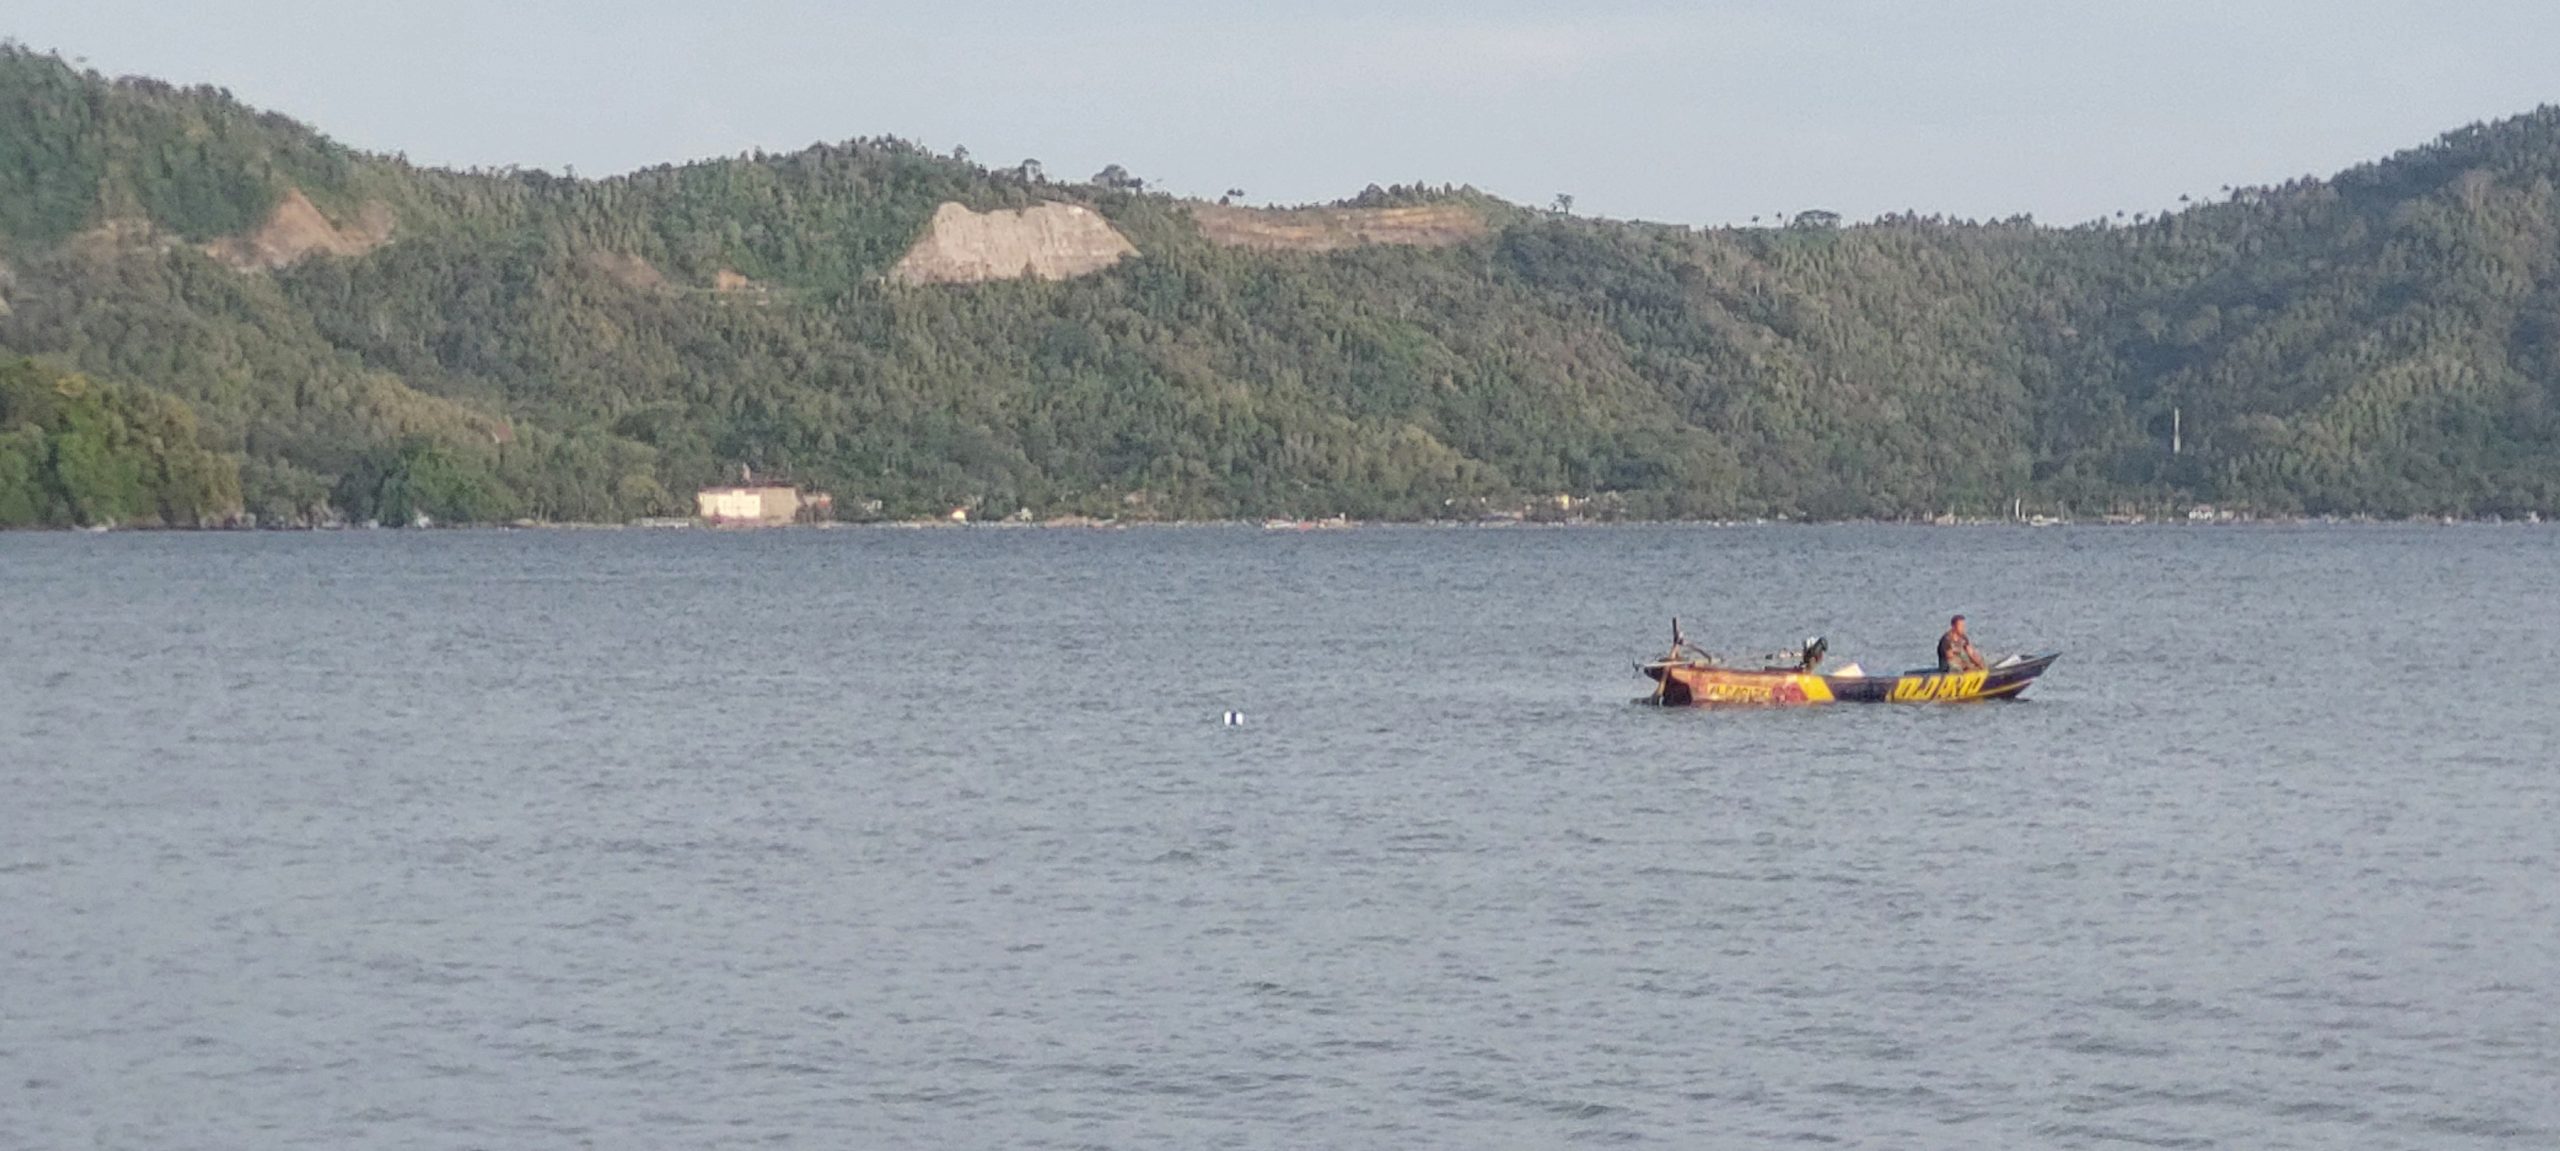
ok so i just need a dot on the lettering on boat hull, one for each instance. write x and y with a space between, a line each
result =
1939 688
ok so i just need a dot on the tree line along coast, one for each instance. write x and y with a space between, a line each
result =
211 314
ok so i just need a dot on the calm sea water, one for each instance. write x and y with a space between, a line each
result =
936 839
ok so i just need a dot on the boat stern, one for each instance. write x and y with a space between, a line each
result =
1688 685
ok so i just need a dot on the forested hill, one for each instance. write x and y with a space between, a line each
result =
346 334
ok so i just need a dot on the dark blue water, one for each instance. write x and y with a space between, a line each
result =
887 839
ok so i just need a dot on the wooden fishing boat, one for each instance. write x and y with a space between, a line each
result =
1689 677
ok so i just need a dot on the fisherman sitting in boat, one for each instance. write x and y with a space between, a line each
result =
1955 649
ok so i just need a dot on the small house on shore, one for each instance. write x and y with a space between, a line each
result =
759 505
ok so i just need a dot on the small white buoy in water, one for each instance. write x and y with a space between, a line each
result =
1235 719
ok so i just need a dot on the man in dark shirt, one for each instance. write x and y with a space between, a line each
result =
1955 649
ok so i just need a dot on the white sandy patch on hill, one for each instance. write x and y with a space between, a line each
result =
1050 242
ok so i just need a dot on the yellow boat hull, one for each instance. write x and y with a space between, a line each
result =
1703 685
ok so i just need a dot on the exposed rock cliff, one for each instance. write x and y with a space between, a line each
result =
630 271
296 229
1050 242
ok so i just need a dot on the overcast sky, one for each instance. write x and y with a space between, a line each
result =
1705 112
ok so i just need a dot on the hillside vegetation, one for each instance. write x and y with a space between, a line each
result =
354 336
74 452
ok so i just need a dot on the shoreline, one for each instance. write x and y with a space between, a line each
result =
1275 527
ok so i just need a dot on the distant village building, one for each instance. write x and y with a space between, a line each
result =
760 505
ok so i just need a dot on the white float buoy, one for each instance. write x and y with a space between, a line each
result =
1235 719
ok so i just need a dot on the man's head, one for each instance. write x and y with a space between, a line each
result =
1956 625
